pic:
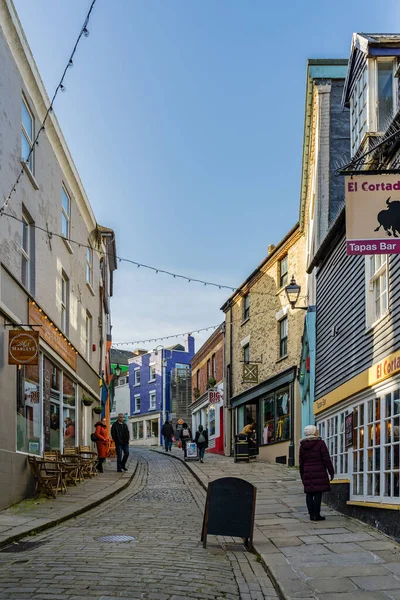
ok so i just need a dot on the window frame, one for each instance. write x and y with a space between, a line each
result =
152 396
152 372
208 369
361 90
283 340
26 253
89 265
198 379
29 140
214 366
88 336
65 284
246 351
372 318
136 406
64 214
136 380
377 61
284 275
279 423
246 307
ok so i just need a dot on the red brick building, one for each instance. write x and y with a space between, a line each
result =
208 390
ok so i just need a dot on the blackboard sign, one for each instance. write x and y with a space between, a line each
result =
230 509
348 430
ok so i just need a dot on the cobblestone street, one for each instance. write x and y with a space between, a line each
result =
162 509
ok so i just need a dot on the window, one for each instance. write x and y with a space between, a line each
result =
89 265
333 432
152 376
65 214
283 337
214 366
152 403
198 379
88 336
29 411
69 412
26 252
136 377
246 353
208 369
377 287
358 111
275 413
64 303
246 307
122 381
28 136
283 272
137 403
385 93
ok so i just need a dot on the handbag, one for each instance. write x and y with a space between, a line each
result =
179 444
173 439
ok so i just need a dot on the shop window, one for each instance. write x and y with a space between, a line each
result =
391 463
332 431
358 451
135 431
148 429
69 412
55 405
140 430
331 440
276 426
154 428
211 420
29 411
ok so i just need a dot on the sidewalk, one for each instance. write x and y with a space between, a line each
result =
34 515
336 559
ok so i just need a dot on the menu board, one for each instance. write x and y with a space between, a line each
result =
348 430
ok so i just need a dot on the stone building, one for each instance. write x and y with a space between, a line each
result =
262 333
46 280
208 390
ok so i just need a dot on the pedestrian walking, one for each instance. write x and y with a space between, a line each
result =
186 436
167 431
201 440
102 443
120 435
315 464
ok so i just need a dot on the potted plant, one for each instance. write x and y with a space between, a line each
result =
196 393
211 383
87 400
97 410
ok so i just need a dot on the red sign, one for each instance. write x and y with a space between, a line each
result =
214 396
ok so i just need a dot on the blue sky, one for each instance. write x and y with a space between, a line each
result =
185 120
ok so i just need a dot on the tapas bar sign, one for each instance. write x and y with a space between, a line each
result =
23 347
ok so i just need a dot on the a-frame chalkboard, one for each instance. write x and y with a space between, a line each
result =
230 509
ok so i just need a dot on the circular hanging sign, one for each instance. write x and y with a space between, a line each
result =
23 348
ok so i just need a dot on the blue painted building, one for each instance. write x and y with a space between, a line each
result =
149 383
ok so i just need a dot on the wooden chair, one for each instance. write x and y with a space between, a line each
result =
44 482
70 467
89 460
56 468
71 454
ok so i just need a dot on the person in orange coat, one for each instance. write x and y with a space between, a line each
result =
102 443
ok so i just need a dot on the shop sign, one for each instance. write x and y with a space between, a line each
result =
372 214
348 430
385 368
214 396
23 348
52 336
250 373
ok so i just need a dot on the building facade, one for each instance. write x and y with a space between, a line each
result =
48 283
326 142
208 390
357 384
262 351
150 389
119 391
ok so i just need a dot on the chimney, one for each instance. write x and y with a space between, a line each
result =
189 344
271 247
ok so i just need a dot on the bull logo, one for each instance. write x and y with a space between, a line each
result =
389 219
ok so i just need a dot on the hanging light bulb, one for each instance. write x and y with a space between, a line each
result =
86 32
63 88
71 63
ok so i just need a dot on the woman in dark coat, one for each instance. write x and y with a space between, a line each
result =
315 464
201 440
102 443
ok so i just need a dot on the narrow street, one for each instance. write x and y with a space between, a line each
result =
162 509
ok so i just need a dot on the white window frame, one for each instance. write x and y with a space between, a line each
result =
26 252
89 265
31 163
371 279
88 335
136 379
64 303
283 275
332 431
281 338
137 398
246 307
122 381
65 214
152 372
152 400
359 117
375 89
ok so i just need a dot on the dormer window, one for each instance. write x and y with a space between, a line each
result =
373 101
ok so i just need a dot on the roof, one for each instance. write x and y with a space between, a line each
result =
363 46
208 345
120 357
258 270
325 68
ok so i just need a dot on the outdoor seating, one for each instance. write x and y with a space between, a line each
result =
70 466
88 459
46 481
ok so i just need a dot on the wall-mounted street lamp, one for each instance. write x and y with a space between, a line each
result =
292 292
117 371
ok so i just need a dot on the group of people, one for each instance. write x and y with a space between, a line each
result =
184 436
120 435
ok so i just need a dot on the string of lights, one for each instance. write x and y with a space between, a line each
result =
52 234
60 87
